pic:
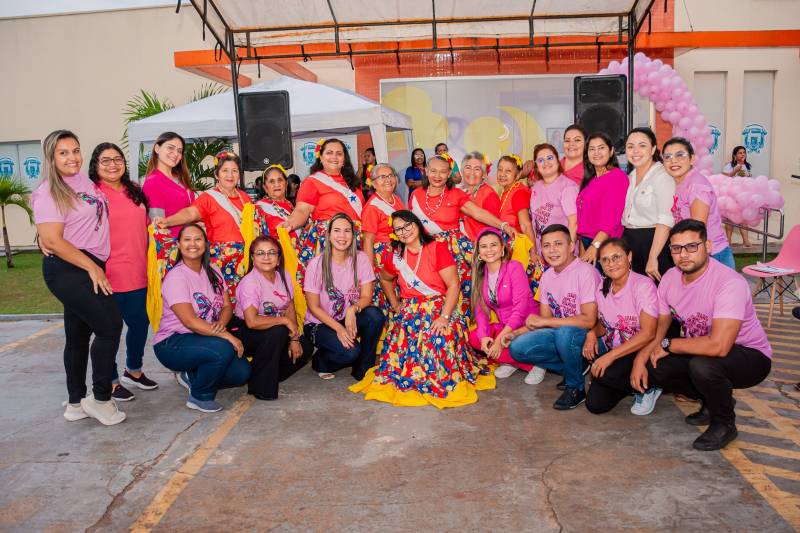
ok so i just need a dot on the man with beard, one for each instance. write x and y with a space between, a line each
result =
722 344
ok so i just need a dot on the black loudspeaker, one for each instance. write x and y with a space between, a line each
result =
601 105
265 133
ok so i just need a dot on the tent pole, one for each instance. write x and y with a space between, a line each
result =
631 44
235 88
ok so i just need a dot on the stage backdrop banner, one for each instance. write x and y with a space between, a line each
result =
495 115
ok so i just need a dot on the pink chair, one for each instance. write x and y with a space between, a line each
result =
788 259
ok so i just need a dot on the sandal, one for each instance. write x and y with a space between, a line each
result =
326 375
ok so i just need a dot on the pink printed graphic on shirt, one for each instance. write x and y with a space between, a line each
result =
100 206
568 306
695 325
542 216
207 309
627 327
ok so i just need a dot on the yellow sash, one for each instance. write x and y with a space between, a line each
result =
153 303
291 262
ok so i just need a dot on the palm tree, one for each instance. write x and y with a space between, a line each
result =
12 192
146 104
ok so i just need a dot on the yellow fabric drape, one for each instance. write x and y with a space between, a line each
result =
153 302
521 248
291 263
248 231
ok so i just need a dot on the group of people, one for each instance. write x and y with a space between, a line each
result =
572 265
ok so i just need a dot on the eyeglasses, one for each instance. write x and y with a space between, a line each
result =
405 228
108 161
270 253
171 148
611 259
384 176
677 156
550 157
677 249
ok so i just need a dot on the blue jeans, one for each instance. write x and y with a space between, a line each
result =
131 305
210 362
556 349
725 256
587 242
331 355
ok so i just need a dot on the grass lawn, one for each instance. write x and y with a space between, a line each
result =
23 289
743 260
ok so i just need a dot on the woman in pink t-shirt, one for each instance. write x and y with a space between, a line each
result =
127 265
168 184
627 315
192 339
340 318
71 216
266 322
500 285
601 200
695 197
553 195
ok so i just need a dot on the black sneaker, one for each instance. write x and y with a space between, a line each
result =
561 385
716 437
121 394
570 399
701 417
142 382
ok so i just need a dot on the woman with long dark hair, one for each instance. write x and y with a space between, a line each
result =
426 357
192 339
266 322
331 188
648 205
440 206
126 267
167 183
738 166
601 200
340 318
416 171
71 216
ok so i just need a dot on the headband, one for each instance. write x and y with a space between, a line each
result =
225 154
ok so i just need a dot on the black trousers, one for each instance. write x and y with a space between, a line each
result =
271 362
712 379
607 391
640 240
85 313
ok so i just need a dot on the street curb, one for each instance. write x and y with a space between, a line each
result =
40 316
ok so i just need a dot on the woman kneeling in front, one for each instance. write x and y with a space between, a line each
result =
340 319
265 320
192 339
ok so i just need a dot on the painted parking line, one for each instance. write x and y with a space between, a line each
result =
161 503
41 332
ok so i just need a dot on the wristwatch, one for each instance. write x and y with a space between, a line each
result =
665 344
596 244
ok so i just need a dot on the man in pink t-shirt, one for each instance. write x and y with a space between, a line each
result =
554 338
722 345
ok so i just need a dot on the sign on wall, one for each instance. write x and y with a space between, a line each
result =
22 161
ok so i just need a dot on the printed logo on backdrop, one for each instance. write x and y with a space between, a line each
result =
715 134
754 137
308 149
7 167
33 167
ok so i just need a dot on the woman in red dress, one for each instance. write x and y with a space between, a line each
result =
474 168
274 208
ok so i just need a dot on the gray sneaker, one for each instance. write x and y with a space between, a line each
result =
643 404
206 406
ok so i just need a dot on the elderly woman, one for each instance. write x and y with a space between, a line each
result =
474 168
274 207
376 224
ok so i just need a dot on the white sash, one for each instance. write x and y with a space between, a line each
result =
410 278
351 197
225 203
429 224
381 204
273 209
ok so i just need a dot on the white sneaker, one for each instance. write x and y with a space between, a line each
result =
104 412
535 376
643 404
504 371
74 412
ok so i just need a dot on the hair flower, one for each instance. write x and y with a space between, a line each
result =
447 157
318 148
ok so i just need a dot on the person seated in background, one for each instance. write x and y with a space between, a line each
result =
192 339
265 320
500 285
340 319
554 338
722 345
627 309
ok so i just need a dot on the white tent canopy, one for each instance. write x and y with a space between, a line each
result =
315 109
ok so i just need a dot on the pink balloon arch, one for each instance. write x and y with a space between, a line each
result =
739 199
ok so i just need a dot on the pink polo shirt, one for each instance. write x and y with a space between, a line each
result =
163 192
695 186
552 204
566 291
86 224
126 268
720 292
619 313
